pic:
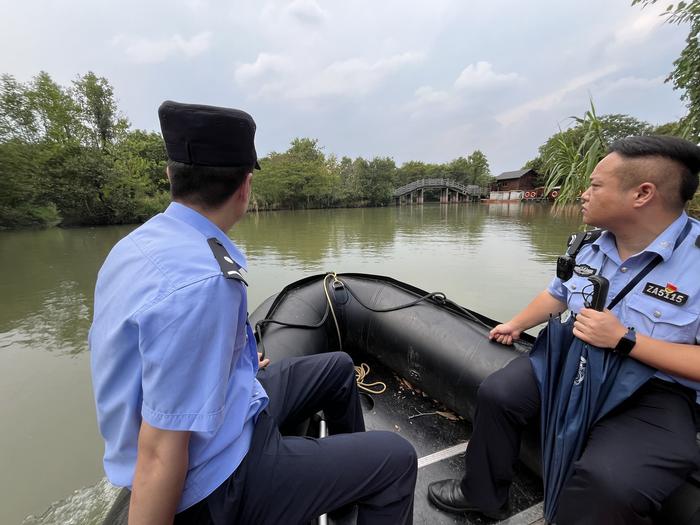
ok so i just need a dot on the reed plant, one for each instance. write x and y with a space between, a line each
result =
569 163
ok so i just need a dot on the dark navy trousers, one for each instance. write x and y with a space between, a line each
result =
292 480
634 458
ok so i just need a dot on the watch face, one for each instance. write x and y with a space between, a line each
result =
626 343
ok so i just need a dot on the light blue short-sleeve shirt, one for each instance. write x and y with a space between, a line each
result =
664 305
170 344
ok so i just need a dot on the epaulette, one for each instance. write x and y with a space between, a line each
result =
230 269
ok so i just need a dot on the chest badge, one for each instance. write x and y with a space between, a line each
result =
668 293
584 270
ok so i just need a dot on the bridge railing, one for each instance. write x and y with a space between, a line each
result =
467 189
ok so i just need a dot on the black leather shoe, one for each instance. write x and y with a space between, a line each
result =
447 495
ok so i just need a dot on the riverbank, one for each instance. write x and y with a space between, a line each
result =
693 210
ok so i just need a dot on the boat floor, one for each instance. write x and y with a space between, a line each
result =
440 441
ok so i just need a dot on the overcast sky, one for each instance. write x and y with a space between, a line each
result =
426 81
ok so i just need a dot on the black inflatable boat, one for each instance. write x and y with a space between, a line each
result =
431 354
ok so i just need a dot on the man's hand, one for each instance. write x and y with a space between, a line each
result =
262 363
505 333
539 309
601 329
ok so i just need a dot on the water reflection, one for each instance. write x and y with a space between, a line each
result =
548 229
309 236
47 285
442 222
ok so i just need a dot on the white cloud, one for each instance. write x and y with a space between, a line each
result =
553 98
482 76
265 65
475 80
631 83
428 95
354 76
275 75
307 12
640 28
148 51
428 100
196 6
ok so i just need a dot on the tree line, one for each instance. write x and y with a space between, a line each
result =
68 156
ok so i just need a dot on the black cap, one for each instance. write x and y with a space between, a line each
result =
208 135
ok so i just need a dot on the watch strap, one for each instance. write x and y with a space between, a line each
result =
626 343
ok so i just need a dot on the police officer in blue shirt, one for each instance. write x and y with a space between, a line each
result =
643 450
187 425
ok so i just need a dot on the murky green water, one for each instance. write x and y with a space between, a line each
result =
491 258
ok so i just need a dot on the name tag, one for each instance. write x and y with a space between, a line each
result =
658 291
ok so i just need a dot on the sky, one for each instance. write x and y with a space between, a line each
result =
412 80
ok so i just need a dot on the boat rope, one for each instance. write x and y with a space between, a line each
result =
438 297
361 372
330 305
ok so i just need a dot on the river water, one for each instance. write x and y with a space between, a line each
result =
492 258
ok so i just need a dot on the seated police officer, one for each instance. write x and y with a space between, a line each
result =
643 450
187 426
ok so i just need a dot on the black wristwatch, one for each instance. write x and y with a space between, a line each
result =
626 343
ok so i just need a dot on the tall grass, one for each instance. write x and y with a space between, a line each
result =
568 165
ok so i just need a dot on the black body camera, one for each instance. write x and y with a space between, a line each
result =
567 262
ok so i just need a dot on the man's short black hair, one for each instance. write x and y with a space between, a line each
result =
205 186
683 152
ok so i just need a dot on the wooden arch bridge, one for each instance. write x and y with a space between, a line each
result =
450 191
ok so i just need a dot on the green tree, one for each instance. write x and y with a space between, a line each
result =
149 146
22 202
458 170
376 180
99 115
670 128
17 120
55 112
138 187
299 177
478 172
349 191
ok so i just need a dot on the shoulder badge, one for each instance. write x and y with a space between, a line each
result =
584 270
228 266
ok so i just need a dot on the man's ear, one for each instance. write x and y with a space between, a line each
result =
644 193
167 174
245 188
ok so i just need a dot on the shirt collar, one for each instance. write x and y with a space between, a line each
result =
207 228
664 244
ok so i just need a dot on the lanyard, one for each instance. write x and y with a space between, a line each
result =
649 267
